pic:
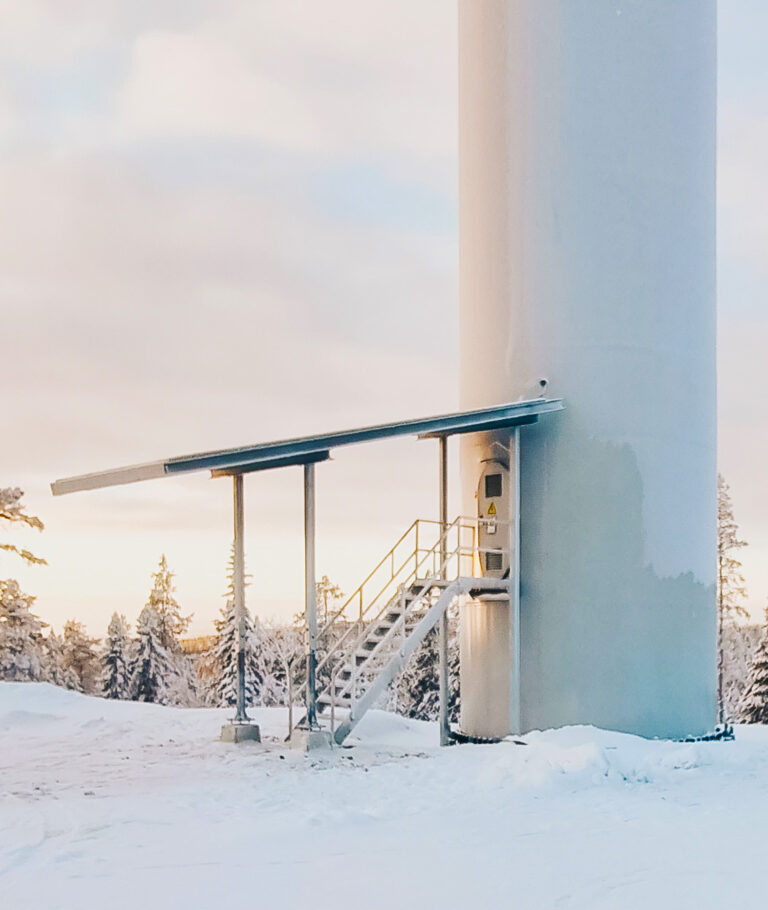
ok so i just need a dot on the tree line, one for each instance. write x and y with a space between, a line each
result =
154 663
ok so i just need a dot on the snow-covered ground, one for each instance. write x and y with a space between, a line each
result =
124 805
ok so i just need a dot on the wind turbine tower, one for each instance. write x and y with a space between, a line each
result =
587 260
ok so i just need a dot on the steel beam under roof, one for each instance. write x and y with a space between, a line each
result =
309 449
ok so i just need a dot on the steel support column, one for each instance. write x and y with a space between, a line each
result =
310 595
514 580
445 730
238 584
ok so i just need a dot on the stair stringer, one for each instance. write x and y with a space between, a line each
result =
398 661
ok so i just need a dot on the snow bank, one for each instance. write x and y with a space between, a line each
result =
22 704
110 803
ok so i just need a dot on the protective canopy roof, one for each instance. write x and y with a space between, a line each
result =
309 449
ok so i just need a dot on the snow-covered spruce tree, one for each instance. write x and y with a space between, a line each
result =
55 669
21 636
731 589
115 677
740 642
223 656
223 685
753 707
152 676
80 654
416 693
171 626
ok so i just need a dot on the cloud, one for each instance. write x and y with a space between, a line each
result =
743 193
743 435
176 285
227 221
743 277
50 35
340 80
8 116
186 85
148 322
45 33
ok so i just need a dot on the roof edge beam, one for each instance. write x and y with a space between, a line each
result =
118 477
268 464
506 423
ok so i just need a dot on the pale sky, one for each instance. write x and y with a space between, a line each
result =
223 222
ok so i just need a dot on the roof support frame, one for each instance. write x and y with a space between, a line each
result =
307 452
304 450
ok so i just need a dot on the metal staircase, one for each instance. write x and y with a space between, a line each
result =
364 645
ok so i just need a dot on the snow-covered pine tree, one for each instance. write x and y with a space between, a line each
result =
80 654
267 643
115 678
223 688
21 635
151 674
417 691
171 626
740 642
55 669
753 707
731 589
12 511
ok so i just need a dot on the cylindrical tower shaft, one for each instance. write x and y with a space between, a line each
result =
587 257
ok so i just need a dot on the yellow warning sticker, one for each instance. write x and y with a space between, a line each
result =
492 508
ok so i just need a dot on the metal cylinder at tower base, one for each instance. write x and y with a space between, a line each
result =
587 257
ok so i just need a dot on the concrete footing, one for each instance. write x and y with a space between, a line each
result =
309 740
240 733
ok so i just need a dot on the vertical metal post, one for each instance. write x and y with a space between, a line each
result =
238 580
310 595
445 730
720 649
514 580
289 679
